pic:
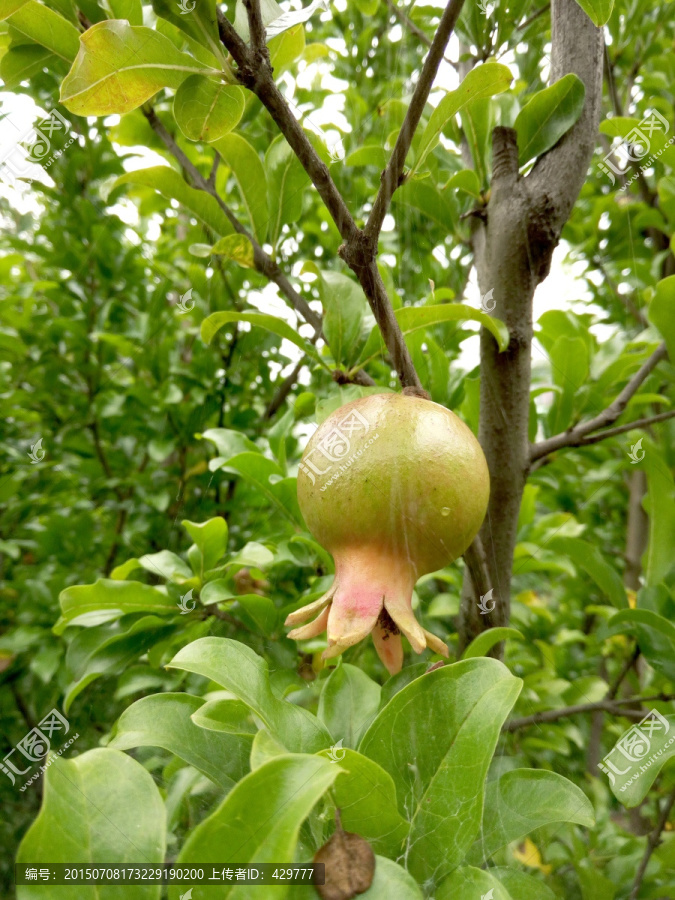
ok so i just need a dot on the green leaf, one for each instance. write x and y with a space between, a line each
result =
172 186
259 821
102 805
661 312
369 155
7 7
472 884
287 184
638 756
111 599
349 702
414 318
44 26
120 66
230 716
240 670
525 799
167 565
486 641
211 539
205 108
598 11
264 748
286 48
483 81
22 62
569 367
200 23
252 554
466 180
165 721
236 247
107 650
548 116
590 560
257 612
368 7
439 772
266 476
522 886
654 633
366 797
345 308
213 323
247 169
131 10
477 120
660 508
230 442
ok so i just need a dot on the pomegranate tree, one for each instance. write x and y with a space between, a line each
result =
394 487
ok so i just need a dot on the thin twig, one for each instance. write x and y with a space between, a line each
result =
408 24
392 176
358 250
653 842
574 437
262 262
611 706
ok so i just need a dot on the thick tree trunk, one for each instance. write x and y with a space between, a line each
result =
513 245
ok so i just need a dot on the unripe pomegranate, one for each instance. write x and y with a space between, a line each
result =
393 486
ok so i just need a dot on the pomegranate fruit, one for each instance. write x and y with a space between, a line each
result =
394 487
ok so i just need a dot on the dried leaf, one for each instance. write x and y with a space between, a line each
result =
350 865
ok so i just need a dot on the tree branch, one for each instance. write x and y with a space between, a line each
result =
410 26
392 177
256 28
577 47
577 436
262 262
611 706
653 842
358 250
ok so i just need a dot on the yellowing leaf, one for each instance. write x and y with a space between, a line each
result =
120 66
236 247
528 854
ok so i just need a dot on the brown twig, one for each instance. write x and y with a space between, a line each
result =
611 706
408 24
392 177
575 437
262 262
653 842
358 250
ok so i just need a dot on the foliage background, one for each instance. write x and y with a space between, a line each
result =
101 364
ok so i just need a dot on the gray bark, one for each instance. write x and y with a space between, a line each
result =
513 244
